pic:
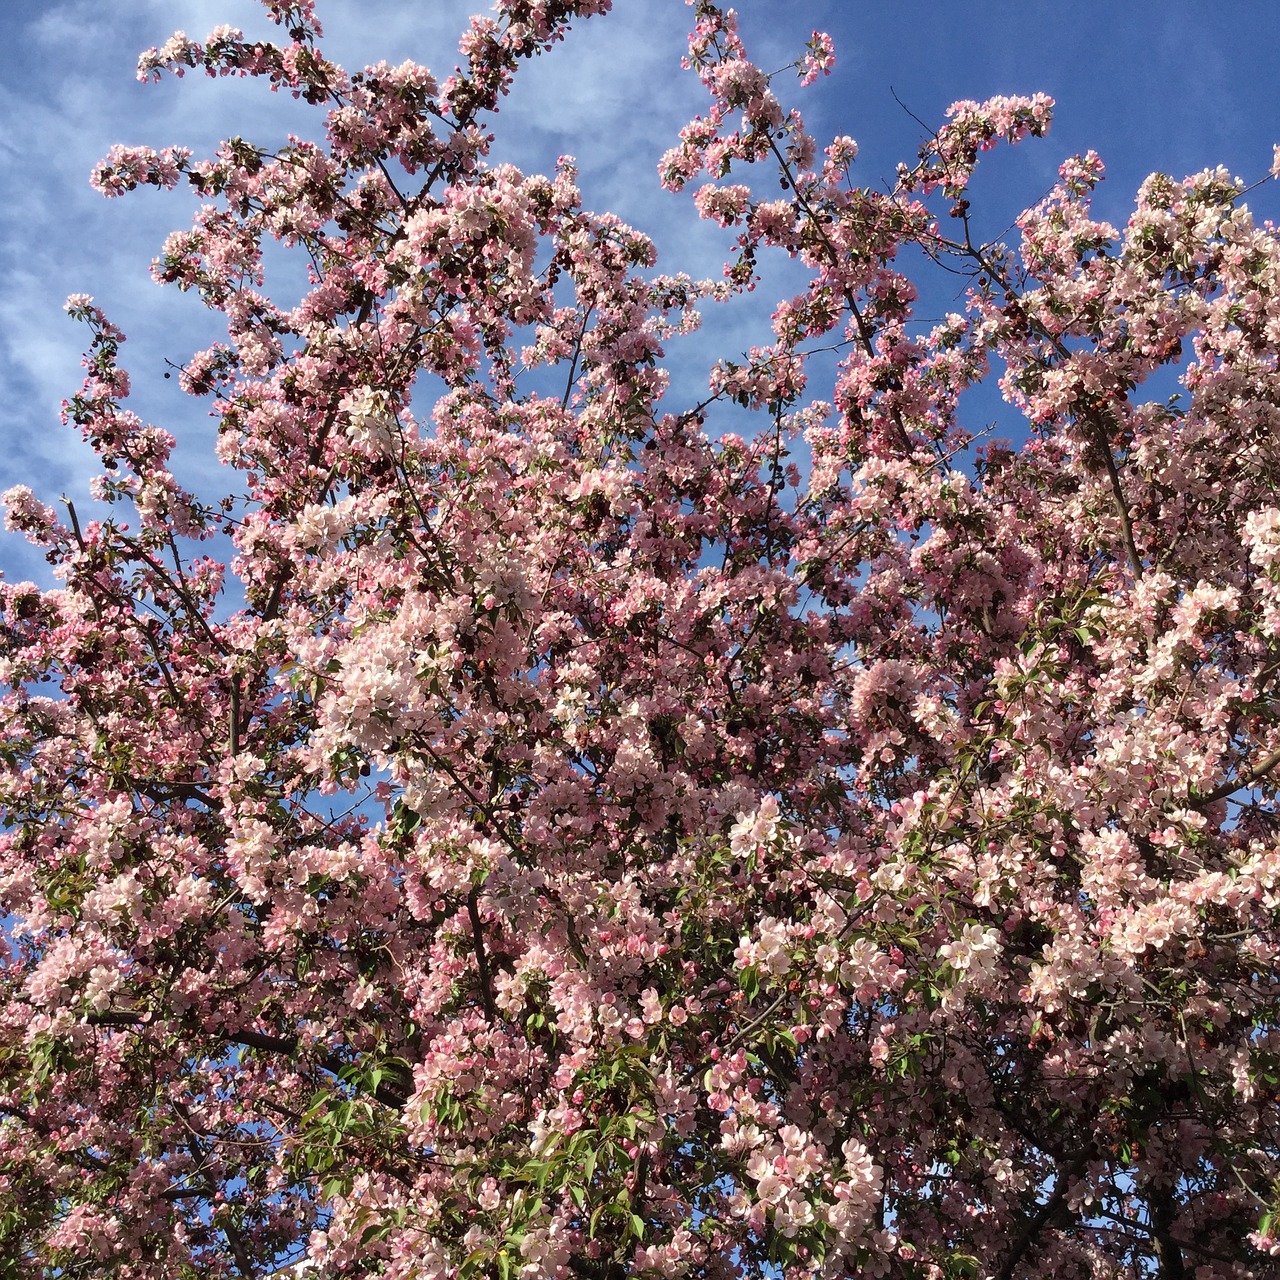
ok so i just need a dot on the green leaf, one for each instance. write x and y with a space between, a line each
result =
472 1264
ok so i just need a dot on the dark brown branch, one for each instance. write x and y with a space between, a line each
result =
162 790
83 1158
1092 417
244 1263
287 1046
275 594
233 728
165 674
482 961
1168 1251
866 335
192 607
1117 493
1247 779
575 944
1039 1220
387 1094
80 542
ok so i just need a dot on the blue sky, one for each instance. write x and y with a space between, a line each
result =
1171 86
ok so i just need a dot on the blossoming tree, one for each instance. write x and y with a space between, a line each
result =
569 833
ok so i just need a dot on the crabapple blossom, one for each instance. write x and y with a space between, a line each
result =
535 826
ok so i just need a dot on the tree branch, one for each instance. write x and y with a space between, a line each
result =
1094 419
1247 779
482 961
1168 1251
387 1094
1039 1220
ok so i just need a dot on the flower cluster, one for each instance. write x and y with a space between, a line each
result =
535 826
